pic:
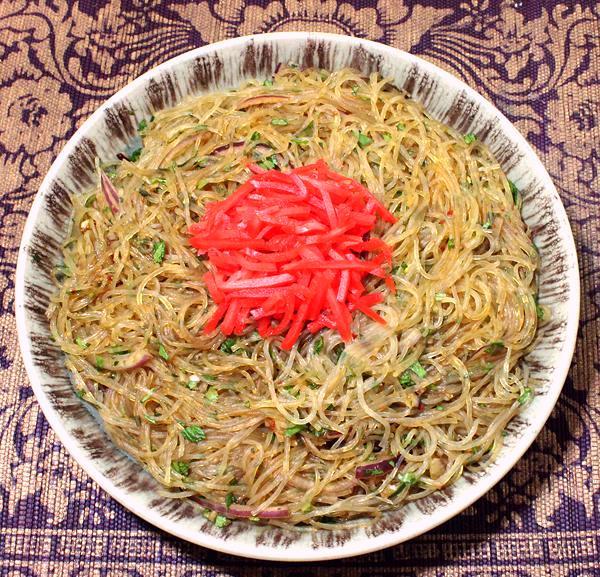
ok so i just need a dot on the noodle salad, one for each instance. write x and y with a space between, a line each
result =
341 337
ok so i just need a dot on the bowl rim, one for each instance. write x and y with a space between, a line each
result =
353 547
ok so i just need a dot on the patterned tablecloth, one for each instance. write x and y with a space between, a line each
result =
539 62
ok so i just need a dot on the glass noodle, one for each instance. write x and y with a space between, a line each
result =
324 433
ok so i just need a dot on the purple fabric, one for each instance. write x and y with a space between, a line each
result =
539 62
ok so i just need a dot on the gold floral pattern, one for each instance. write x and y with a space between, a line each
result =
539 62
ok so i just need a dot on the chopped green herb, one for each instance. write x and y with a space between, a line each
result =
293 430
229 500
158 251
181 467
406 380
279 122
330 407
89 201
162 352
539 311
494 347
526 396
440 296
99 362
81 343
451 243
363 139
469 138
318 345
317 432
254 519
221 521
302 142
268 82
289 389
255 136
514 191
209 377
505 433
211 395
269 163
147 397
135 155
80 393
142 125
387 137
355 90
439 408
487 224
418 369
201 184
306 508
150 419
226 345
192 384
401 126
308 130
193 433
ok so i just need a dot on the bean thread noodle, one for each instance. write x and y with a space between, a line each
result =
324 433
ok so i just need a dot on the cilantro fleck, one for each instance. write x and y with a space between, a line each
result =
439 408
181 467
451 243
158 251
387 137
401 126
514 191
293 430
269 163
318 345
279 122
226 345
302 142
150 419
494 347
142 125
469 138
539 311
135 155
363 139
81 343
440 296
406 380
355 90
147 397
162 352
221 521
525 396
268 82
229 500
80 393
201 184
255 136
99 362
211 395
193 433
418 369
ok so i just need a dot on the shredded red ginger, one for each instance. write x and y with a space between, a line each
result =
287 251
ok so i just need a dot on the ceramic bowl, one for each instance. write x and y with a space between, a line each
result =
112 128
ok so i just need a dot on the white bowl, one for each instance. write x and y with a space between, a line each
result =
112 128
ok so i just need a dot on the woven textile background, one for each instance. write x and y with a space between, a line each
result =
539 62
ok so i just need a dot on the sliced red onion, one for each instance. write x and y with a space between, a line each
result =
131 361
220 150
243 511
378 468
110 192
